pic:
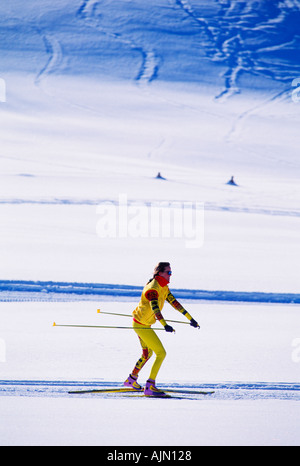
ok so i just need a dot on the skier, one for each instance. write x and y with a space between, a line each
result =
154 295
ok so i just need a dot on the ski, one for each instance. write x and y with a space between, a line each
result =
105 390
189 392
131 390
126 392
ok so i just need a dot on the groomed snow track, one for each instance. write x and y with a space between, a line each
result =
21 290
223 390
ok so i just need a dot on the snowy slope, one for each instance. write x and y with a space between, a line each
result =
131 40
103 95
219 49
96 98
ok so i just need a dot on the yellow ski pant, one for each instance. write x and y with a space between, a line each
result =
150 343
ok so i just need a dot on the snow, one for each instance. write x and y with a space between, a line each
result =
92 423
229 346
96 98
237 342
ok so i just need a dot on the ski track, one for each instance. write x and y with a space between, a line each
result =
209 206
237 52
230 40
237 126
230 44
223 390
88 12
201 22
55 53
227 40
21 290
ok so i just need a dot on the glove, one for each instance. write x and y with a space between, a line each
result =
169 329
193 323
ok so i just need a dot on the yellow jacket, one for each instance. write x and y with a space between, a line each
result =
152 301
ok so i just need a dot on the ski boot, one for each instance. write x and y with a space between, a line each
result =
131 382
151 390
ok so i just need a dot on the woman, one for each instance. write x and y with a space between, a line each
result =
154 295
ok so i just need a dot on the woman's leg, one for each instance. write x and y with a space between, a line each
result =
146 355
152 343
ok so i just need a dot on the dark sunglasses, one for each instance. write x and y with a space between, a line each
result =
169 272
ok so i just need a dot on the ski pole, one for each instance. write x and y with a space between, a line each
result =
113 313
128 315
102 326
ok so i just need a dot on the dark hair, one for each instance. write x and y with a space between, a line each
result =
161 266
